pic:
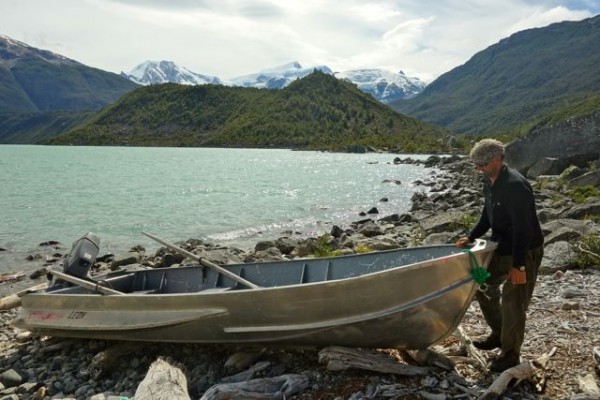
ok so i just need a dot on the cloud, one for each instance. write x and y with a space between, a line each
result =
228 38
541 18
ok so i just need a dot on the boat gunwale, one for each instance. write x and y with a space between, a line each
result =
479 245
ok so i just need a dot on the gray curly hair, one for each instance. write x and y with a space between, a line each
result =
486 150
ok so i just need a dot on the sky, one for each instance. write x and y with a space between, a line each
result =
230 38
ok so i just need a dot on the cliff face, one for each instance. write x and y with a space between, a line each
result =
575 141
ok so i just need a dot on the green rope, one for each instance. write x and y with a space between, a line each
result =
478 273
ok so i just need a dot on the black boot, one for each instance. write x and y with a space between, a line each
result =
505 362
490 343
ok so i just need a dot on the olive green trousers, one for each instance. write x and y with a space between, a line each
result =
504 305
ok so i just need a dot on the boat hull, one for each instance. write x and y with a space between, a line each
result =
410 306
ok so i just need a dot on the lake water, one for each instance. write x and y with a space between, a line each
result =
227 196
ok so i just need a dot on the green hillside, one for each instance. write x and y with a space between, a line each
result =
12 97
316 112
33 79
584 107
37 127
43 94
50 87
515 81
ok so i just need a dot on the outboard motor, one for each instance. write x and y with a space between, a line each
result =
82 256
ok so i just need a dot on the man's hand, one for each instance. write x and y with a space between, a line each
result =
463 242
517 277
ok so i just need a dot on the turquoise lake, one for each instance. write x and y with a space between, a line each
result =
227 196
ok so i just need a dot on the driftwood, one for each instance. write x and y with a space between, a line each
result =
471 349
596 355
248 374
524 371
4 278
279 387
241 360
103 362
164 381
14 300
520 372
341 358
430 358
588 386
540 365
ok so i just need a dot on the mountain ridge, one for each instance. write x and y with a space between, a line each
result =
514 81
43 94
40 80
156 72
384 85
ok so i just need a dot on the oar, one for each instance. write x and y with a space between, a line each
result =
204 262
83 283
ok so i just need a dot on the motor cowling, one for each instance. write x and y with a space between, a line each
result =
82 256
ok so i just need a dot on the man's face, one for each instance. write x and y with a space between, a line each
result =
491 169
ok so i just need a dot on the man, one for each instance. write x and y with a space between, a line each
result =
509 210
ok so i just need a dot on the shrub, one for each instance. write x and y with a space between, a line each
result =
465 221
323 248
582 193
589 251
417 236
363 248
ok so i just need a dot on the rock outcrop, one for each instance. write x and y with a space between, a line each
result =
550 149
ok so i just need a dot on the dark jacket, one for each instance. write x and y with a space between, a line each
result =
510 211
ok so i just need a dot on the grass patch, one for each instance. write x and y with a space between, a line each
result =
465 221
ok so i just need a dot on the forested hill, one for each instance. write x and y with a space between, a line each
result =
315 112
514 82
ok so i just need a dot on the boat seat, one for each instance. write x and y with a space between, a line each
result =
215 290
143 291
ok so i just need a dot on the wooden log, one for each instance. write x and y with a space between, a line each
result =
525 371
14 300
164 381
103 362
341 358
519 372
279 387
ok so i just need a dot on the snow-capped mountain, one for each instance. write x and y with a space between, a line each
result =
12 50
385 86
278 77
154 72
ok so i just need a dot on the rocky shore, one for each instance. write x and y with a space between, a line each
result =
562 329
